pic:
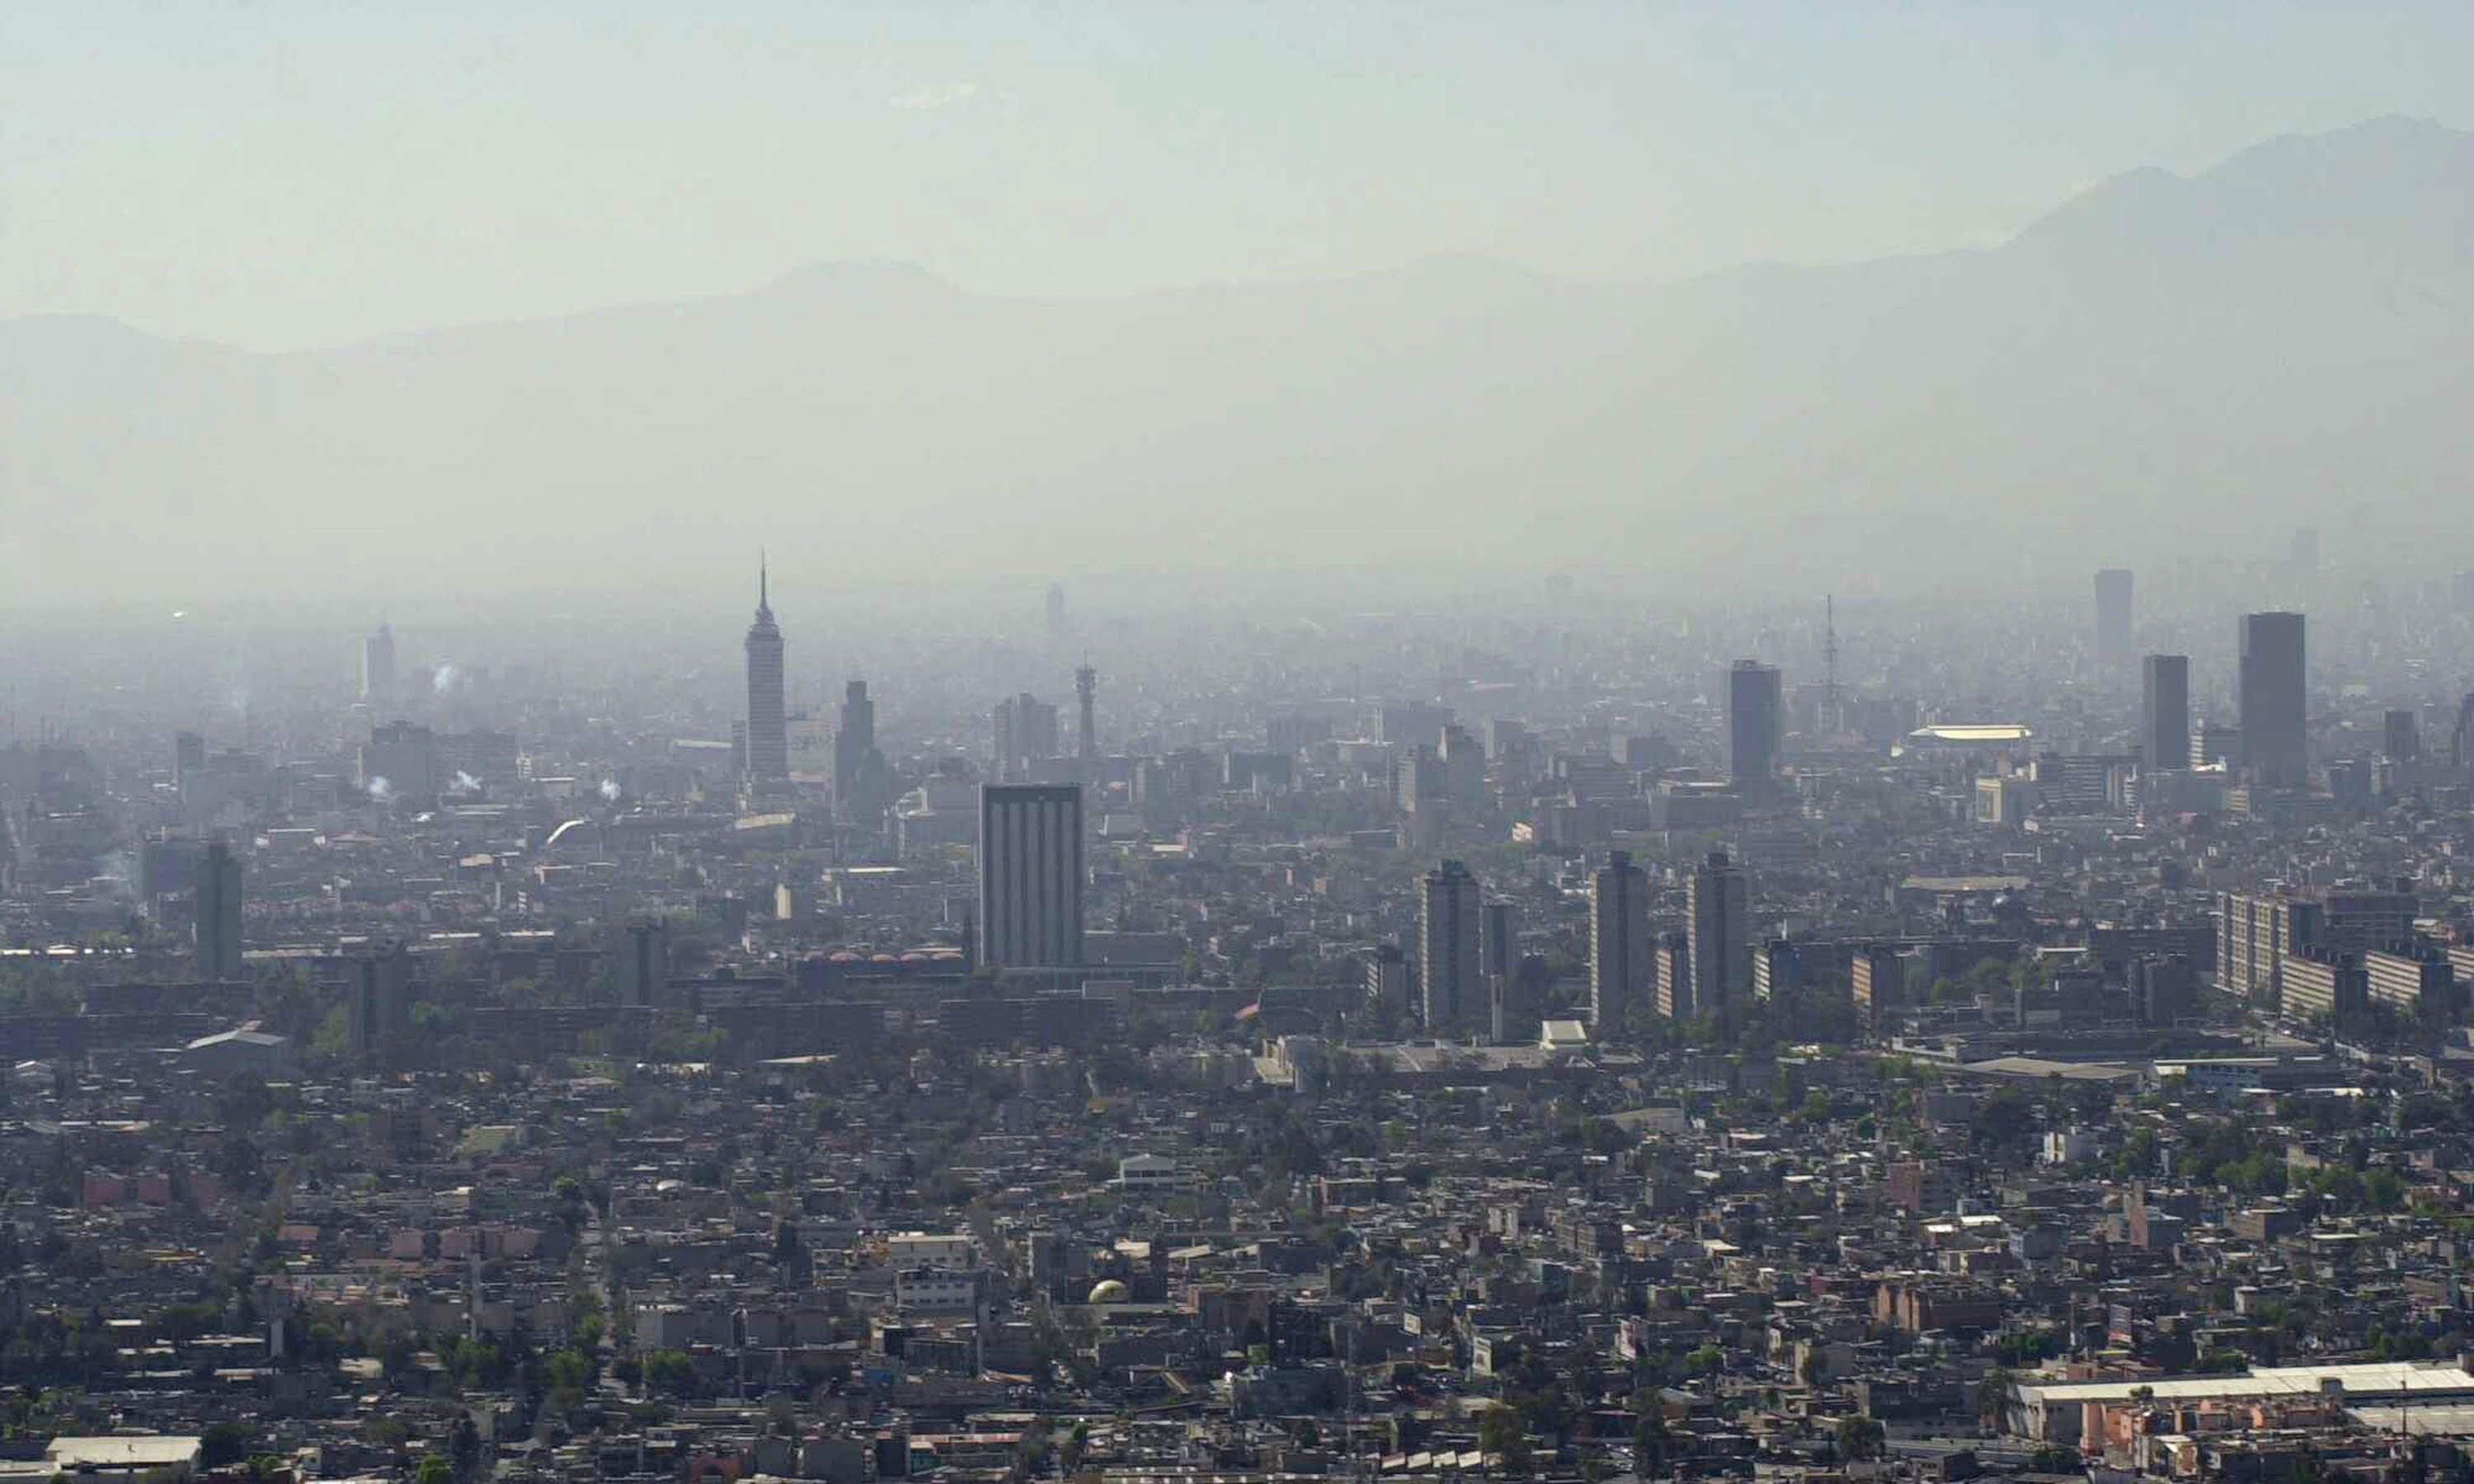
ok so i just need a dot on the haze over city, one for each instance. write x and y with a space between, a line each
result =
1966 290
1357 744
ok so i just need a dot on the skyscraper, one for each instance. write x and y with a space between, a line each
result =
2271 700
859 768
1450 969
2113 593
1722 963
1021 731
1619 953
1499 961
1752 725
2165 712
1086 691
218 913
1030 876
377 668
2401 736
768 734
2461 739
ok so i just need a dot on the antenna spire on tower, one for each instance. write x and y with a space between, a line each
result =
1830 656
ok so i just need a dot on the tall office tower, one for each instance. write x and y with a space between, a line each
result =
188 756
218 914
2165 712
1620 961
1450 969
1674 977
1498 940
1055 611
1030 876
1022 730
768 736
2273 714
1722 945
2460 741
1752 725
2305 560
377 668
859 768
1086 693
2401 737
641 956
2113 590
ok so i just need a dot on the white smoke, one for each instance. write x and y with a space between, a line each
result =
381 790
464 783
445 679
610 790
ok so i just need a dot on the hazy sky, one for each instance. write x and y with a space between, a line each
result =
285 173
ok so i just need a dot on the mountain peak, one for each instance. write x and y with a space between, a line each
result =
2392 171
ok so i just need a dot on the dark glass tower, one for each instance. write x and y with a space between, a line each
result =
2273 711
2165 712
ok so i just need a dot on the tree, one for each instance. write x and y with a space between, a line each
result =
434 1469
1993 1399
1650 1442
1504 1434
1860 1438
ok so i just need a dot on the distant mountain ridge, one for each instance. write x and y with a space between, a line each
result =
2200 360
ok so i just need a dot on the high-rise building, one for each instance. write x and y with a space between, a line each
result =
400 761
1722 947
2165 712
1619 955
1753 729
1674 977
1498 939
377 668
642 960
2401 737
1086 693
2113 593
2460 740
2274 717
188 756
218 914
1450 968
769 732
1055 610
859 773
1030 876
1022 730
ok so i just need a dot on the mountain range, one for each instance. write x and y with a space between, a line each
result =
2194 364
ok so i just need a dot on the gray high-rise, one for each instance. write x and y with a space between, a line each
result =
377 668
2113 597
1030 876
1450 966
1086 691
768 731
2274 715
218 914
2165 712
859 768
1619 951
1021 732
1752 725
1722 947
